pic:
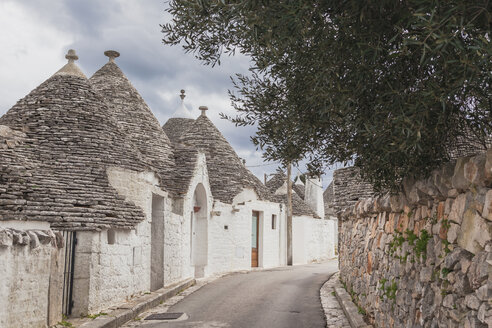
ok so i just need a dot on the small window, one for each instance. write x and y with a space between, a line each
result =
274 222
111 236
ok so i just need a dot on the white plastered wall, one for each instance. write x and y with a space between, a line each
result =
200 177
312 239
108 274
26 273
230 234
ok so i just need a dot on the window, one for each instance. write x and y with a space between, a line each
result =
111 236
274 222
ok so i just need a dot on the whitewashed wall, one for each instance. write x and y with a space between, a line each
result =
230 234
312 239
105 274
188 260
27 268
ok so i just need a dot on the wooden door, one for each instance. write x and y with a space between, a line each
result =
255 220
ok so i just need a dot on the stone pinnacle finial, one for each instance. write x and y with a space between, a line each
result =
182 95
71 56
203 109
112 54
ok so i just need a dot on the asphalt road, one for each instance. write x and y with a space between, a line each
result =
277 298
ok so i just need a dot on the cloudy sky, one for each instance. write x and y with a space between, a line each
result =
36 35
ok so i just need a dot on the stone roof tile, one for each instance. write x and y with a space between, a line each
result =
137 121
299 207
227 174
58 172
175 127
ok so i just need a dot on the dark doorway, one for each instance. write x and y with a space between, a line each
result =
70 238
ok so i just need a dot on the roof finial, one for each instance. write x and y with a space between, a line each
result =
112 54
203 109
182 95
71 56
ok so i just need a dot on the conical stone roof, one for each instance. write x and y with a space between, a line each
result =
136 120
299 207
175 127
227 174
57 172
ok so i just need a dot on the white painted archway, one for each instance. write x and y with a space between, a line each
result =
199 231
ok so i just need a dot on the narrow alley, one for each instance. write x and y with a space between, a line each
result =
283 298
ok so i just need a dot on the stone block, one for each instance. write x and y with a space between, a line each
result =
483 293
398 202
442 178
43 237
6 239
472 301
384 203
453 232
474 170
425 274
458 209
449 301
428 188
475 232
459 180
34 243
485 314
488 167
487 206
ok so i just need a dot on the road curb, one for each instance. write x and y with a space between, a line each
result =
349 308
127 312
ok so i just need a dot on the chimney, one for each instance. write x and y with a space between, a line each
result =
203 109
112 54
313 195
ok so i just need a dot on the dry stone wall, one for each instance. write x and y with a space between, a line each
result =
423 258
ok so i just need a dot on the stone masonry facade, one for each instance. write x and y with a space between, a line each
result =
423 258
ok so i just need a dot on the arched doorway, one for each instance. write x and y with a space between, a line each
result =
199 231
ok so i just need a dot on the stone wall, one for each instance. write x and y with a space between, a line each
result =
31 278
423 258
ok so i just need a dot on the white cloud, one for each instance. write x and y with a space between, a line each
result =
35 36
31 51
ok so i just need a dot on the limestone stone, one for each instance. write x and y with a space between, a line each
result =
34 243
453 232
448 205
398 202
454 257
442 178
458 209
462 285
449 301
465 264
459 180
485 313
474 170
452 193
488 166
5 238
475 232
425 274
479 270
471 321
472 301
483 293
487 207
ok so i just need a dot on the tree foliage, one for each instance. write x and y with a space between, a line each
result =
388 85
